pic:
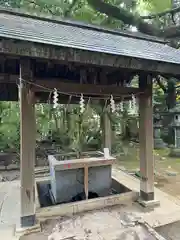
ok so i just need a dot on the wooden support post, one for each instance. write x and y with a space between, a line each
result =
27 150
86 181
146 139
107 131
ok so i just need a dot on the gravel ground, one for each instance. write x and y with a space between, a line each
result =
107 224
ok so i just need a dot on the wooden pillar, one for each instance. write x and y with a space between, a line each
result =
107 131
27 149
146 139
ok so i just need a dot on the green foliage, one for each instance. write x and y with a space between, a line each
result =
70 129
9 126
154 6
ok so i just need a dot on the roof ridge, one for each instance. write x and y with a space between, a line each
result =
55 19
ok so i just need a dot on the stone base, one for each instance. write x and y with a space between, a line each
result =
28 221
99 182
159 144
147 196
19 232
174 152
149 204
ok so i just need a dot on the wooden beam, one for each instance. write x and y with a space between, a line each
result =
9 78
69 209
86 181
107 130
63 54
89 89
146 140
27 150
72 88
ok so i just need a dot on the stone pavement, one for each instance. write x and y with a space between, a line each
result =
168 211
7 233
9 202
110 223
9 208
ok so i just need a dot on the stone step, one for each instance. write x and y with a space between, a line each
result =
7 232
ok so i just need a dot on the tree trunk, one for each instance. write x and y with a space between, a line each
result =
175 4
171 93
130 19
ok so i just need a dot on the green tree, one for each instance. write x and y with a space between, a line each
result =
68 127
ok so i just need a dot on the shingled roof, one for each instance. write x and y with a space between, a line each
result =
69 34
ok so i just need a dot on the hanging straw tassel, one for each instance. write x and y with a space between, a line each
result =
81 103
112 104
55 98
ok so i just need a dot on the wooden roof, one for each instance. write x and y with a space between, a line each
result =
84 37
66 47
25 35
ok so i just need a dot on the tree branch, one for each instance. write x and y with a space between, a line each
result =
161 85
124 16
161 14
38 5
134 20
171 32
68 11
